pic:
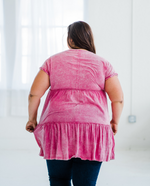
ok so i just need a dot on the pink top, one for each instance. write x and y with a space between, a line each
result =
75 120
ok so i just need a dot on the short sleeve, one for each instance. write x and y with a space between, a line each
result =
46 67
109 71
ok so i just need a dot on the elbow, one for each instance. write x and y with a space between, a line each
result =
31 96
119 99
122 99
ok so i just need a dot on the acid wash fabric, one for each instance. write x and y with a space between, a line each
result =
75 120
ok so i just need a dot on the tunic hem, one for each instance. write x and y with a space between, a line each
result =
65 140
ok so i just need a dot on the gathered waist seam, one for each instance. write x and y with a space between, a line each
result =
85 123
75 89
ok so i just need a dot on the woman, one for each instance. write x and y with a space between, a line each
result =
74 133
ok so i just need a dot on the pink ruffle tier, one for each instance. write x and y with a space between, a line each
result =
92 141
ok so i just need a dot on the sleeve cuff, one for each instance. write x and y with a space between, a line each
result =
115 74
41 68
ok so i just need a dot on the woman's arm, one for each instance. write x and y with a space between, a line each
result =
115 93
40 85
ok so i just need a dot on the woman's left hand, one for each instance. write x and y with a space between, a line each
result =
30 126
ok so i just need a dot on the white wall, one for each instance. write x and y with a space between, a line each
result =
111 24
10 37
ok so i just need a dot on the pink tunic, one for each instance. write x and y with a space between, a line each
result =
75 120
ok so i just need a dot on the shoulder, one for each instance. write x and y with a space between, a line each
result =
84 53
57 56
98 58
60 54
105 62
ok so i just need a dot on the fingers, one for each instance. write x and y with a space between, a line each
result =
115 133
30 126
30 129
114 128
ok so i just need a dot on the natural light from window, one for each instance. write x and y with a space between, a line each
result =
1 24
45 32
0 55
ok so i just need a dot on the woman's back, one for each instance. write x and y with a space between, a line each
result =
77 103
77 87
78 69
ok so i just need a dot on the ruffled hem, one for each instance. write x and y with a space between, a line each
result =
63 141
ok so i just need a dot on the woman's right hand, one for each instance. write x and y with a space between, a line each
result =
114 126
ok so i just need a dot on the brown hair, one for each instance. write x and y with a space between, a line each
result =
81 35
